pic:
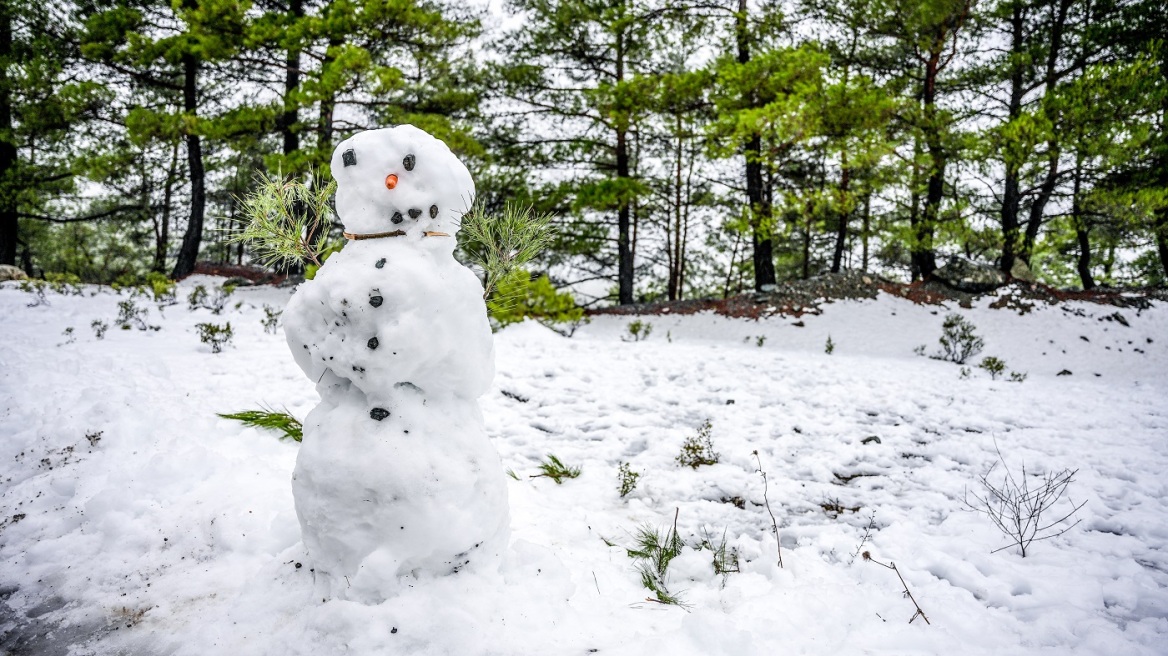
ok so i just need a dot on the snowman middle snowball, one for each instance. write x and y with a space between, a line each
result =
396 475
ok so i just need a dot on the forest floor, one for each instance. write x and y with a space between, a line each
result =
798 297
135 521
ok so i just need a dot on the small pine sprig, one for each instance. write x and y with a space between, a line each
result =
653 553
502 243
281 422
286 221
556 470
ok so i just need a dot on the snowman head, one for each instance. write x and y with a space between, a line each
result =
401 179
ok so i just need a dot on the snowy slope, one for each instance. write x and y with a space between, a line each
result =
170 531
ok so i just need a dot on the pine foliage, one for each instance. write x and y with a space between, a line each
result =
287 221
500 244
281 422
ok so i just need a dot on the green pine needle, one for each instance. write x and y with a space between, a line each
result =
282 422
500 244
556 470
281 216
654 552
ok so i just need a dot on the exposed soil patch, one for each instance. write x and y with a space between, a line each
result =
799 297
254 275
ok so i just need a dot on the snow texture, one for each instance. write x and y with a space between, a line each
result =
396 476
136 522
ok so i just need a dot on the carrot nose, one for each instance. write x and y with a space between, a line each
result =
390 181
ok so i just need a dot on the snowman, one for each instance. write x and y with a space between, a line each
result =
396 477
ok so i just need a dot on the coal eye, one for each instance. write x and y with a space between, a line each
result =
409 162
349 157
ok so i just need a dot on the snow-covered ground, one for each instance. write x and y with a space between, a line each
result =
135 521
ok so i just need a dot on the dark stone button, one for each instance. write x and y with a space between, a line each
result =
372 343
397 217
378 413
380 263
375 301
433 211
409 162
415 213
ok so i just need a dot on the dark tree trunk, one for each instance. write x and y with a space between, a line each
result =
289 129
1161 228
914 208
162 236
1082 232
1046 189
841 232
9 223
760 209
1038 208
624 246
673 236
924 260
1084 263
866 218
806 272
189 252
762 248
289 120
623 223
1011 195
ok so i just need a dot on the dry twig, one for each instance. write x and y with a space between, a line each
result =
892 566
774 523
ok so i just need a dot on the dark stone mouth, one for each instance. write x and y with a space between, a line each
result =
414 213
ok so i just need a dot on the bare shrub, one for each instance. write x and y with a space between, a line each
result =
1017 505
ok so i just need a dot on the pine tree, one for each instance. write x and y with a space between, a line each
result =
928 42
764 95
43 100
169 50
580 67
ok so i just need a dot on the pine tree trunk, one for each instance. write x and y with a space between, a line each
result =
289 130
291 115
841 232
1161 229
760 211
189 251
623 223
162 243
1082 232
673 235
807 245
924 259
1047 188
624 244
1084 262
1011 195
867 217
9 221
